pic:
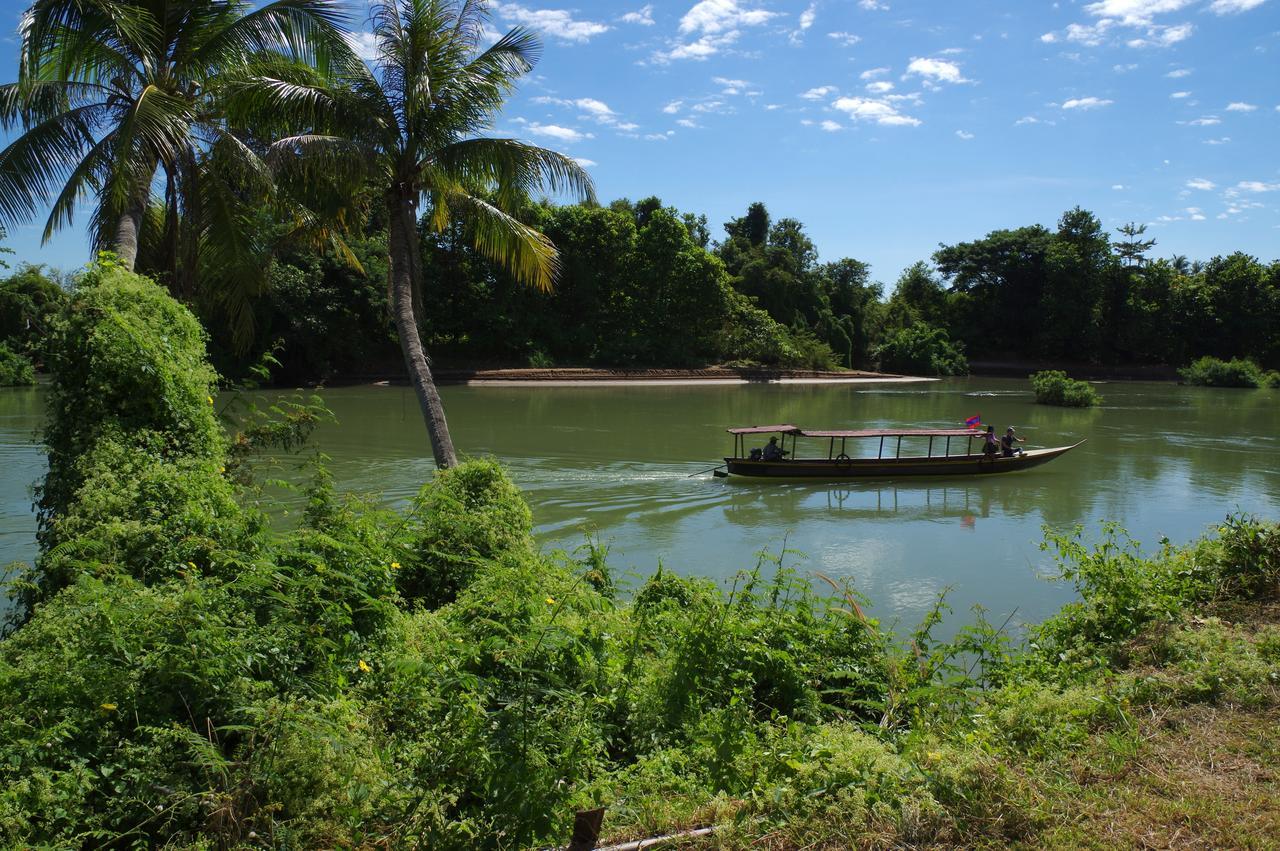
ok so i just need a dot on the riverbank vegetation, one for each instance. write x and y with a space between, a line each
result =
1238 372
181 673
1053 387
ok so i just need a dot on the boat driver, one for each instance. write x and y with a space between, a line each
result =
772 451
1007 448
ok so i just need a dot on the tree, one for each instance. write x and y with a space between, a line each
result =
113 95
412 131
1132 250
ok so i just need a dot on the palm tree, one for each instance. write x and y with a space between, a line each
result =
116 96
411 129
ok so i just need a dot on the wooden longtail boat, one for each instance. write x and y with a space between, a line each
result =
888 461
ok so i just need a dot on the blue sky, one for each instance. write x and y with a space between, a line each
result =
889 127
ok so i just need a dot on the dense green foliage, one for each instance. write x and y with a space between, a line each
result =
1053 387
30 301
920 349
1238 372
184 676
15 369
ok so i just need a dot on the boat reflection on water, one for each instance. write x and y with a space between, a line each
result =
962 503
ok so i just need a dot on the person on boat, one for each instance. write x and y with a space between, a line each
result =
1007 449
990 443
772 451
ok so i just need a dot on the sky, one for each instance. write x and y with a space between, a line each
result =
889 127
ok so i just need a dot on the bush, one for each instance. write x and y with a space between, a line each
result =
921 349
1212 372
1053 387
15 370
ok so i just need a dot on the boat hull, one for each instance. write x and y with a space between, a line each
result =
871 468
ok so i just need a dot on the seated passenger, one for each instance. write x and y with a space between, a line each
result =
774 452
990 443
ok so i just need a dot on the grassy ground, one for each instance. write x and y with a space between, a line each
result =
1195 764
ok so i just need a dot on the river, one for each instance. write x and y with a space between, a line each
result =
1162 460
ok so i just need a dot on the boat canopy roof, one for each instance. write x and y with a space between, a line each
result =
773 429
894 432
866 432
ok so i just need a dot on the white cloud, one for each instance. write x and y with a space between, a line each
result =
1256 186
1124 69
1180 95
642 16
673 107
1110 16
831 126
770 107
687 122
595 108
964 134
660 137
1195 214
1119 187
721 16
873 5
879 87
845 39
702 48
872 73
818 93
562 134
871 109
731 87
1135 12
1086 103
1229 7
1207 121
558 23
1223 141
1201 184
584 162
1178 73
709 106
1163 36
805 21
1027 119
937 70
364 45
1238 106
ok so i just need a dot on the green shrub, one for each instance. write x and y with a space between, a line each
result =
921 349
465 516
15 369
129 364
1238 372
1053 387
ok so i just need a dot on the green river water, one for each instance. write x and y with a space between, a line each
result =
1161 460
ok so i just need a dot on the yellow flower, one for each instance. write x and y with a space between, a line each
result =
395 565
934 756
109 707
192 565
551 601
210 399
364 667
222 469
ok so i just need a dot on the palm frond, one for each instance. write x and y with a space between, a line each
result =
32 165
513 169
523 251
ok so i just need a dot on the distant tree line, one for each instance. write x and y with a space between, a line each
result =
644 284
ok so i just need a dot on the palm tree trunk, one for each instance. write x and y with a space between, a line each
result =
126 239
403 248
